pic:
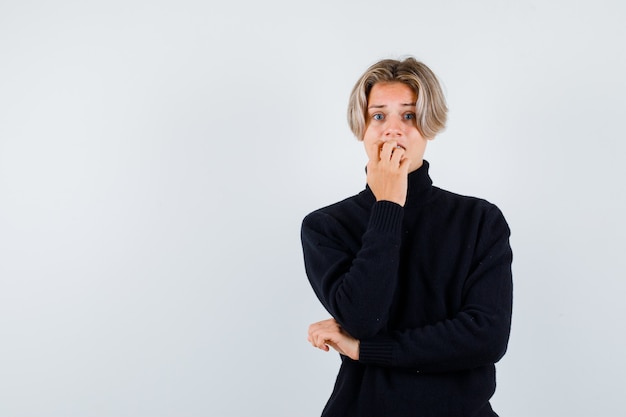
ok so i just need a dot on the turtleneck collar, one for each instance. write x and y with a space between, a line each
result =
419 188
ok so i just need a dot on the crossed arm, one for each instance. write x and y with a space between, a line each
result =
358 292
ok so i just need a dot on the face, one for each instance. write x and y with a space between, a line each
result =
391 117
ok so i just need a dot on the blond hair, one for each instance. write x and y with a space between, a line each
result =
431 108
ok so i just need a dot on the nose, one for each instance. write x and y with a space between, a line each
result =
393 128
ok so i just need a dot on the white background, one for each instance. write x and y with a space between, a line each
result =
157 158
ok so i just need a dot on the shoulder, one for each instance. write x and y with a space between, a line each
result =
460 200
478 209
338 212
343 221
346 209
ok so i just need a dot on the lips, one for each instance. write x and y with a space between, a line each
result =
398 146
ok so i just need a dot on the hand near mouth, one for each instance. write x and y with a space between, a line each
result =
387 176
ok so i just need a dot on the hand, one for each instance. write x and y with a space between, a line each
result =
387 173
328 333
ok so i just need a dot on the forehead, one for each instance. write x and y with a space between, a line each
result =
388 92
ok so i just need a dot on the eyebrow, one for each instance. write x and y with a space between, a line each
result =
380 106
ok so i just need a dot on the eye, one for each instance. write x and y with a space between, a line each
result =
377 116
409 116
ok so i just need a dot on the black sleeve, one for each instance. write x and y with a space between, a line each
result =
355 286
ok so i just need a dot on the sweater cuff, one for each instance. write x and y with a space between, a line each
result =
376 351
386 216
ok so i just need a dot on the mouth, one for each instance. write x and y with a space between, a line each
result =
397 147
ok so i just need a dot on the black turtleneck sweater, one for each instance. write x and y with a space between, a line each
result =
427 290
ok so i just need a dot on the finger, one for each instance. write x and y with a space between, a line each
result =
323 332
387 150
317 339
397 154
373 151
323 342
335 347
323 338
313 332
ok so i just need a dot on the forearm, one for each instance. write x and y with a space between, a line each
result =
475 336
464 342
356 285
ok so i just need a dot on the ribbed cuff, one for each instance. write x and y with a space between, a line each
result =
376 351
386 216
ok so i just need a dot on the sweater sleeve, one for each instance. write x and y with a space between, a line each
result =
477 335
355 284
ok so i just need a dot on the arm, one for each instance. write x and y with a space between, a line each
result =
477 335
355 284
